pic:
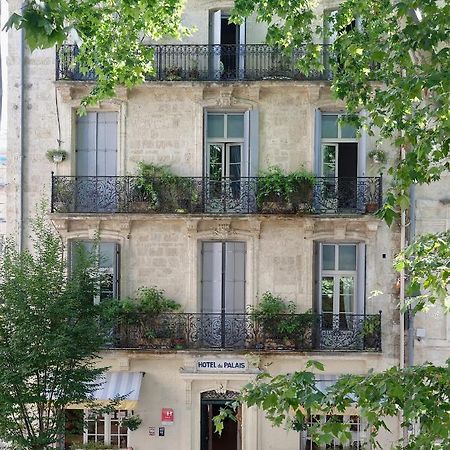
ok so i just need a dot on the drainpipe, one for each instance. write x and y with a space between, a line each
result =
411 237
402 281
20 201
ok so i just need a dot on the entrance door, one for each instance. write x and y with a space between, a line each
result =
228 41
223 294
340 166
96 162
224 174
230 439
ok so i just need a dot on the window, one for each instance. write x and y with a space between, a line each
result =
339 147
109 260
225 142
231 156
338 284
358 433
106 428
96 162
338 163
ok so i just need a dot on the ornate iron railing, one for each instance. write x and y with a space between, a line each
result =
287 332
206 62
202 195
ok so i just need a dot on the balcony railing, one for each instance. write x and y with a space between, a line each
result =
206 62
287 332
191 195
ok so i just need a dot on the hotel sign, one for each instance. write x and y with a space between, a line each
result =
221 365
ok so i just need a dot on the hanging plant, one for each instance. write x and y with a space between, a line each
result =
56 155
378 156
132 422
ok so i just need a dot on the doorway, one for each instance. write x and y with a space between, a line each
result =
223 294
226 41
230 439
340 166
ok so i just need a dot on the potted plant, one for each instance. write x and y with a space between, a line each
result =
173 73
194 73
56 155
272 191
158 189
281 192
272 315
141 318
378 156
300 190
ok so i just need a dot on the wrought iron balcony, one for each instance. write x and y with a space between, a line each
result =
206 62
287 332
201 195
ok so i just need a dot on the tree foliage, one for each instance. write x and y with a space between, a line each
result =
111 33
427 261
49 338
421 393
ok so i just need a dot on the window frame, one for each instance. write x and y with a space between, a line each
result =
337 275
115 268
108 418
226 142
359 435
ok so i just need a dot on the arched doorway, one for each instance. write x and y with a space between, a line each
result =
230 439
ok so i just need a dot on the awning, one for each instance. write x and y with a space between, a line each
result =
113 385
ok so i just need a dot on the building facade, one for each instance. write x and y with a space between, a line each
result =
222 109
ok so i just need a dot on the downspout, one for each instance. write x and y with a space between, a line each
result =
411 237
402 280
20 201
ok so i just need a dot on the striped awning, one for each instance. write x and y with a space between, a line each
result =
116 384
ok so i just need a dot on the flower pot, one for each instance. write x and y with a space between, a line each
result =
372 207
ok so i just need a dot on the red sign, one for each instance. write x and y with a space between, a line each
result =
167 416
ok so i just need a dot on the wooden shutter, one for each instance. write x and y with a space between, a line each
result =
253 142
86 145
234 277
212 277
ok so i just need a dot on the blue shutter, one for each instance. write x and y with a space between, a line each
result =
317 142
253 143
86 145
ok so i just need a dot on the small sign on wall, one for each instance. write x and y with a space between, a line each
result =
151 431
162 431
167 416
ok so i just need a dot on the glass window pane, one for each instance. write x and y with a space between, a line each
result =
330 126
215 125
100 427
348 130
235 154
347 257
346 289
235 126
215 161
329 161
328 259
114 426
327 286
107 250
